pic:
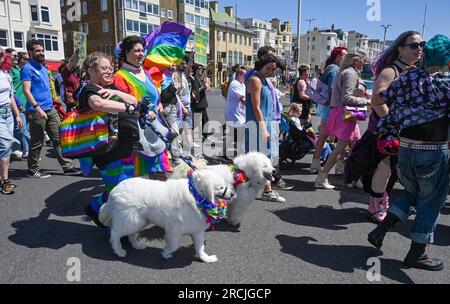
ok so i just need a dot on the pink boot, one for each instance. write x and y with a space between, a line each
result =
378 207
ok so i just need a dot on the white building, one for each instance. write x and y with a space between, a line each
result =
316 47
375 48
194 14
21 20
358 41
141 17
263 33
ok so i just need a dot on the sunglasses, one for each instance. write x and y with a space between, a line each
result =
416 45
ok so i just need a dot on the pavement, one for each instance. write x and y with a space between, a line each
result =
315 237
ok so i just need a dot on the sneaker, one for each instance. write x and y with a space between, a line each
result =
72 172
25 155
422 261
272 197
38 174
355 185
16 156
322 182
315 166
281 185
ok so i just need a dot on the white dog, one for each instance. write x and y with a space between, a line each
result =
254 172
135 203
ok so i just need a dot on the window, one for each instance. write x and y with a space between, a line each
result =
4 38
329 48
235 38
163 13
241 40
170 14
63 18
50 42
62 3
219 35
224 37
84 8
142 9
241 58
45 14
104 5
235 57
34 13
105 26
18 39
329 38
230 58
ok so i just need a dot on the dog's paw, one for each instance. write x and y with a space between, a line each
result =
121 253
166 256
209 259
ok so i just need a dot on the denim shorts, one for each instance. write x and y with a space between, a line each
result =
6 131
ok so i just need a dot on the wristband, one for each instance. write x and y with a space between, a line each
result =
35 106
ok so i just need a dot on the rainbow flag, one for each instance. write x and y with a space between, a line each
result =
136 87
165 47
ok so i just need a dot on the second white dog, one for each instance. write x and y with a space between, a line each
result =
135 203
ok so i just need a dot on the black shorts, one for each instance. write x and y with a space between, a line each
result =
306 109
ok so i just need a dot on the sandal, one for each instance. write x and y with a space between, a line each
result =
8 182
7 188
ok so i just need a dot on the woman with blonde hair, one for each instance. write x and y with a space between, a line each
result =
347 132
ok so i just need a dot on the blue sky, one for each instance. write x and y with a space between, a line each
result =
352 14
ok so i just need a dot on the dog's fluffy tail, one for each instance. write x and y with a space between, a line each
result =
105 216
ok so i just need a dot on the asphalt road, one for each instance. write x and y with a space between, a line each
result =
316 237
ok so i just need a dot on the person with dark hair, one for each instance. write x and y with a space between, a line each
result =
378 171
419 117
40 113
328 77
100 94
199 101
70 79
300 95
8 110
278 183
261 127
134 80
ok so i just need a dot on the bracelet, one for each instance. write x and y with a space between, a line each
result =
127 108
36 106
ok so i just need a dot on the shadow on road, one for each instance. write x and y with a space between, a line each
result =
341 258
44 232
325 217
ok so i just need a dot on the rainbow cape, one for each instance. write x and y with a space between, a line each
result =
165 47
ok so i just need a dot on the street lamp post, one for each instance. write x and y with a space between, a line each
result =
299 25
309 42
385 31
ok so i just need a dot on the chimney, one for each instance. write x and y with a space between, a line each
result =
214 5
229 11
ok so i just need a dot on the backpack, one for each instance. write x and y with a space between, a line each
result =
224 88
295 96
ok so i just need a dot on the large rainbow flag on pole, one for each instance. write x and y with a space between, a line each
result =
165 47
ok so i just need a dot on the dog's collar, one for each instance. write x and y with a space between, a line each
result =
238 176
213 211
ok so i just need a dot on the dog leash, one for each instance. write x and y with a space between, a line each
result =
168 143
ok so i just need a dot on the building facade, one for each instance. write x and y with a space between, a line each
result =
231 44
108 21
21 20
194 14
169 10
263 33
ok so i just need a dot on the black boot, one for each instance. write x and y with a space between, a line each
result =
376 237
419 258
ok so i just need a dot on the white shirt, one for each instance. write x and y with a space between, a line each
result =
6 88
297 122
234 108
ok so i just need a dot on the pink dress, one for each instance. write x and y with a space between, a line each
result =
340 128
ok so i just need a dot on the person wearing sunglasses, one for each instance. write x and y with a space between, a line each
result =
8 110
419 117
377 170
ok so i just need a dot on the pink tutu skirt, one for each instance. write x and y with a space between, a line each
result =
340 128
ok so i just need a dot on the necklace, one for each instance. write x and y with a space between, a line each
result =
404 63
